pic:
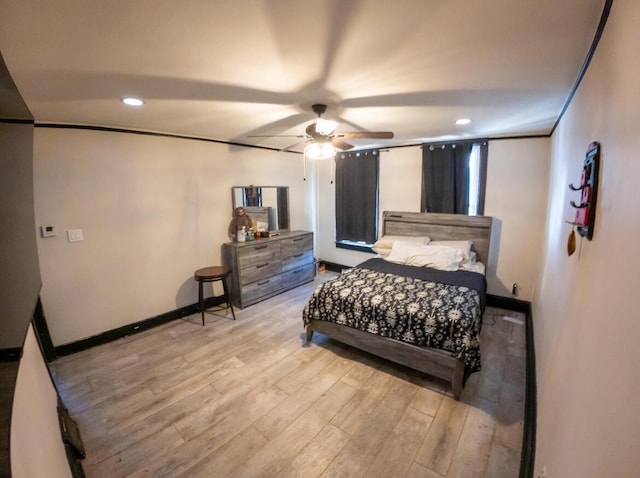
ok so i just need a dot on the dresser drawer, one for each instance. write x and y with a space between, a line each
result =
258 252
297 260
260 270
263 288
295 245
298 276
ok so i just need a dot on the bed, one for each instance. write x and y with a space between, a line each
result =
423 318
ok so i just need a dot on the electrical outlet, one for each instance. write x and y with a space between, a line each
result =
74 235
543 474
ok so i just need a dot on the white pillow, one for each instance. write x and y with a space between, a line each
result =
464 246
438 257
473 267
383 245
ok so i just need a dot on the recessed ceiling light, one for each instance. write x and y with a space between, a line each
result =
132 101
463 121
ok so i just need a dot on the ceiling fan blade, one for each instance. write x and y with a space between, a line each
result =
366 134
276 136
341 144
290 147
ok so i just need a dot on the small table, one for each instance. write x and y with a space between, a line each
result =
213 274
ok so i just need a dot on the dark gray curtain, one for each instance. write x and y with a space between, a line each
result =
445 177
482 187
357 196
283 208
253 196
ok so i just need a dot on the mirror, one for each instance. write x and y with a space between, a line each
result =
268 205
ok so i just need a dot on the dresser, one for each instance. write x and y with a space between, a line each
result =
268 266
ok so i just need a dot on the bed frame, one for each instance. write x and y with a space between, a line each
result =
434 362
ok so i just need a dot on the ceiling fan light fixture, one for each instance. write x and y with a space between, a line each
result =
320 151
325 127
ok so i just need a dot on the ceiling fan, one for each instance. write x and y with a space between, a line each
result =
323 132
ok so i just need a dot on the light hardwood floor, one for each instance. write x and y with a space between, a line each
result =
248 398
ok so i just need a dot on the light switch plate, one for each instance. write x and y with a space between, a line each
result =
74 235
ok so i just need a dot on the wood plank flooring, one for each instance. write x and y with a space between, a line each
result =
248 398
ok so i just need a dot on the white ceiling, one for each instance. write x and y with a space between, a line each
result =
232 69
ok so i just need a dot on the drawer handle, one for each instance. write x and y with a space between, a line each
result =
264 282
298 239
297 272
260 266
260 247
299 255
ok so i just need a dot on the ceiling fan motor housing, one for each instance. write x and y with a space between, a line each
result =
319 109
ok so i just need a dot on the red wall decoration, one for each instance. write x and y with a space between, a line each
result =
585 215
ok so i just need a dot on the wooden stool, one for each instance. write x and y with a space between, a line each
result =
213 274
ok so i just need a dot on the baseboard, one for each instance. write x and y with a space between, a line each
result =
335 267
41 330
527 458
133 328
13 354
509 303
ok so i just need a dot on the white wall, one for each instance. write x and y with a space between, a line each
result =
152 211
516 197
37 450
517 184
586 308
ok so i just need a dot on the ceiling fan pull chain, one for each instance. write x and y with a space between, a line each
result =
333 161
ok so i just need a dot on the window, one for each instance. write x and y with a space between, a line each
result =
252 196
454 177
474 180
357 199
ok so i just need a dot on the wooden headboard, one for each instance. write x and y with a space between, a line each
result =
259 214
441 227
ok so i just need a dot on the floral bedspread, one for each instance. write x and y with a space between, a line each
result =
419 312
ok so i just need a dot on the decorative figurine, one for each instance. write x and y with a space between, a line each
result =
240 222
